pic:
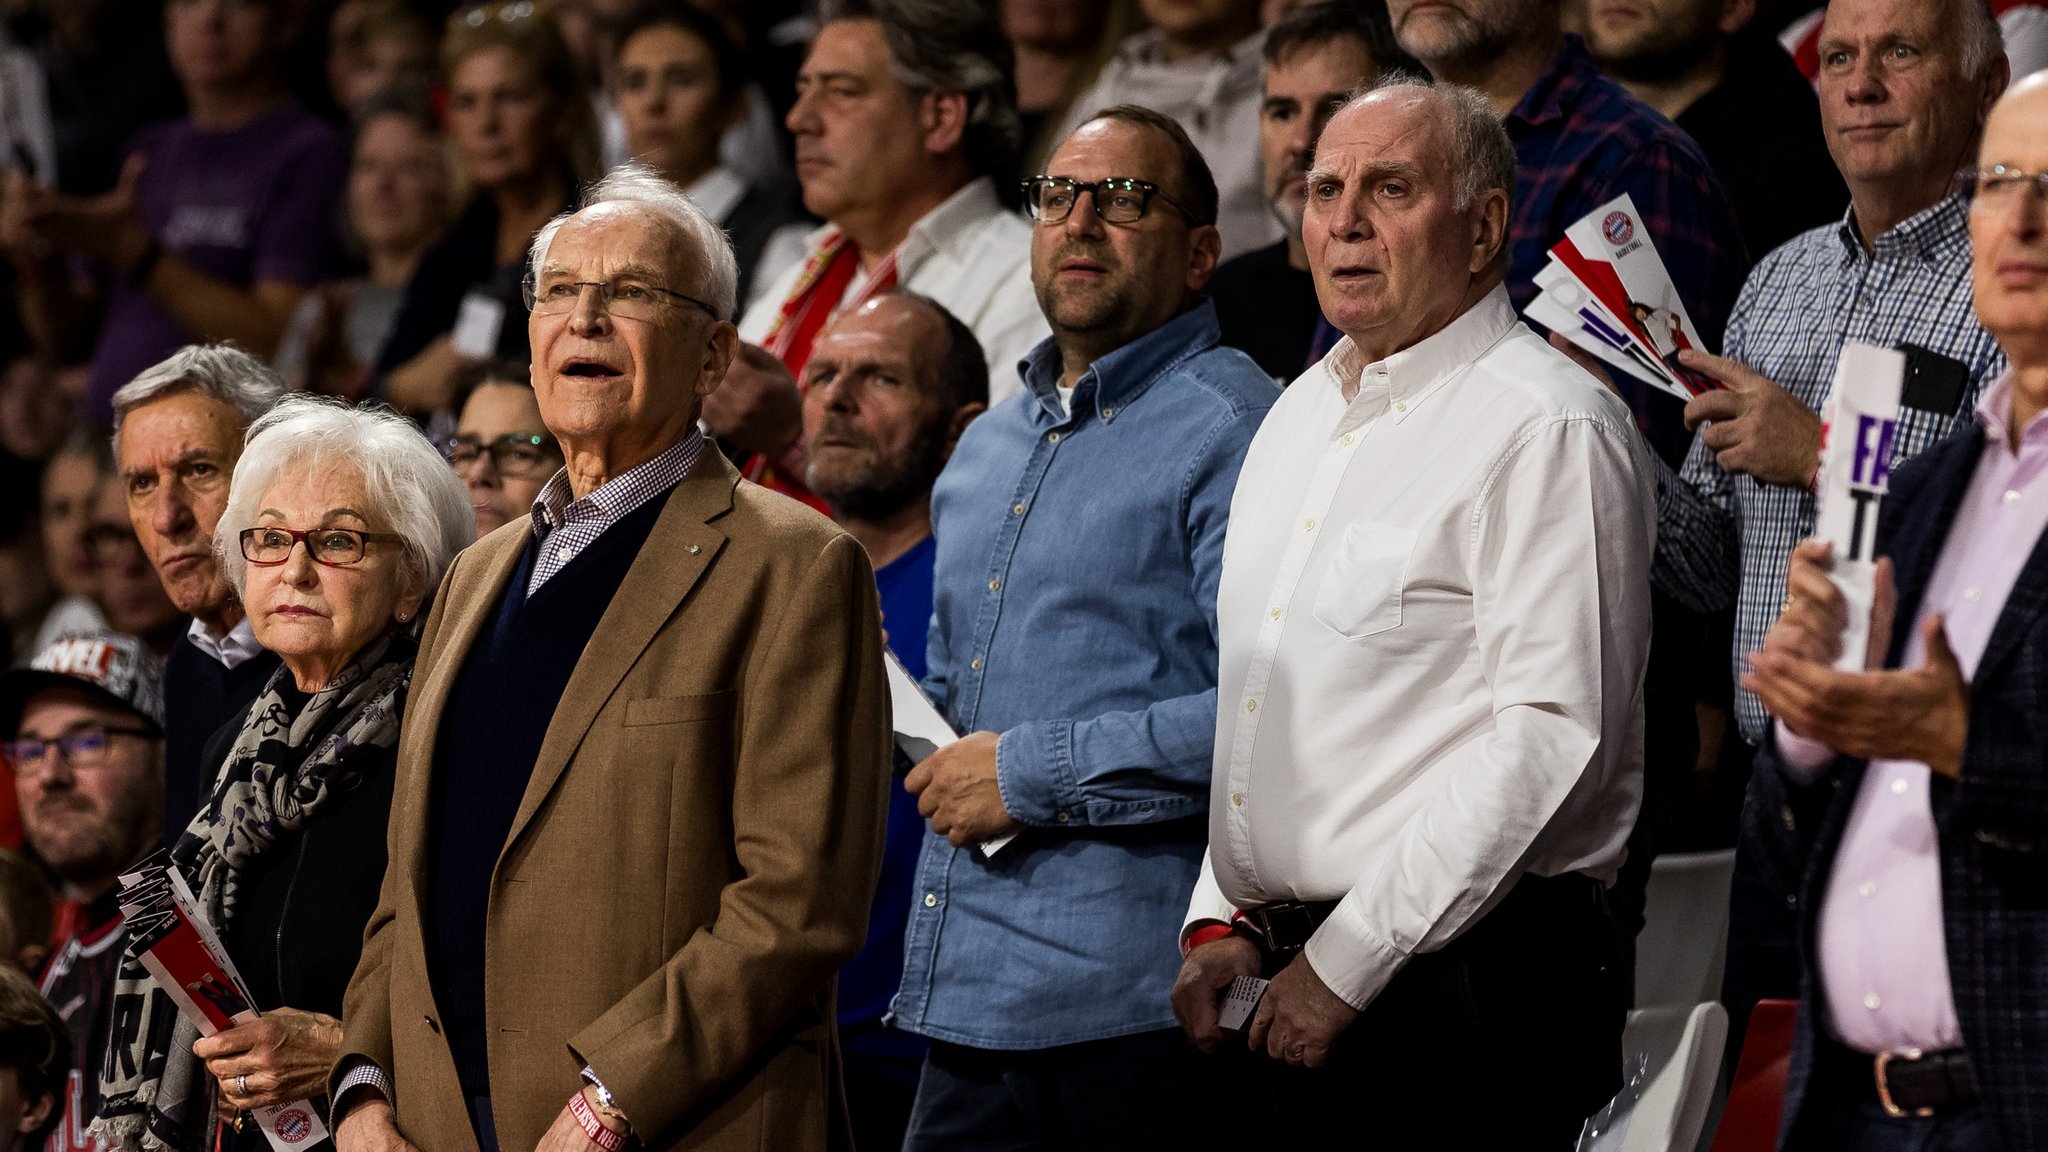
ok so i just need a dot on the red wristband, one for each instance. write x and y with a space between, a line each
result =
594 1128
1206 934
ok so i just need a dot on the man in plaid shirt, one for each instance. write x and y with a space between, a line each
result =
1580 141
1904 90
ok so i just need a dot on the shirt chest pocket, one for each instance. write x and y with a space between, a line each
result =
1360 594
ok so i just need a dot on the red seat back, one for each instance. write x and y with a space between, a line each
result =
1756 1099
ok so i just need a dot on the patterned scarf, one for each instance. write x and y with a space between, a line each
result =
282 770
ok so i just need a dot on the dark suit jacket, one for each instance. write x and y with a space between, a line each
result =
1991 824
694 854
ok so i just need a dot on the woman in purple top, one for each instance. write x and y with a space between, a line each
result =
221 220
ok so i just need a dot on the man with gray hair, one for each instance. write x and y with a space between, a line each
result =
1419 862
625 873
905 117
177 434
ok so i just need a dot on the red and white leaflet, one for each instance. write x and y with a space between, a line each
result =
1566 307
1857 429
1611 252
176 945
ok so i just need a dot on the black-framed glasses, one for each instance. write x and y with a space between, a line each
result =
1118 199
85 748
629 297
517 454
334 547
2001 184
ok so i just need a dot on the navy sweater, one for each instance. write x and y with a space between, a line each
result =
200 695
491 731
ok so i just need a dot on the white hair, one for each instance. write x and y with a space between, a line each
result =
221 371
1482 153
639 184
411 488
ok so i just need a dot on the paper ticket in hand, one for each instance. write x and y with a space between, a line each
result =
920 729
1244 996
1857 431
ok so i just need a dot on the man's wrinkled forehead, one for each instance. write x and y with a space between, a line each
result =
618 237
1391 129
887 334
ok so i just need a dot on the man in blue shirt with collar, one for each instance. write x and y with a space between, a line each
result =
1080 536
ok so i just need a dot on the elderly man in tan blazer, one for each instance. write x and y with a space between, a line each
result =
641 783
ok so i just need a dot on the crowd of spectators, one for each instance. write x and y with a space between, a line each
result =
474 479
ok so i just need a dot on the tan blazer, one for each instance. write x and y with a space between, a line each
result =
695 852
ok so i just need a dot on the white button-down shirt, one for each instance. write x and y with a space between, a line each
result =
971 254
1434 618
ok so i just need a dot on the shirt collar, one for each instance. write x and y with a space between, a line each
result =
617 497
1994 414
1121 376
950 226
1929 233
1557 91
717 192
237 647
1401 383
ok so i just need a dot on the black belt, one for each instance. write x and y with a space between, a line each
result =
1908 1082
1283 928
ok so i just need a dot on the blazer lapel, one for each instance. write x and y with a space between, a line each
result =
467 604
678 550
2029 596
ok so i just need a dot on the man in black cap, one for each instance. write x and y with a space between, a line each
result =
84 731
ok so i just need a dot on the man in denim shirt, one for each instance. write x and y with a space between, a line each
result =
1080 535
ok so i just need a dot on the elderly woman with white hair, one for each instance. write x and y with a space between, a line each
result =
338 527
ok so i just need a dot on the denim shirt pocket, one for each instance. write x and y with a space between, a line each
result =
1360 594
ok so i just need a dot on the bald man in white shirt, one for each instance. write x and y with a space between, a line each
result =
1435 617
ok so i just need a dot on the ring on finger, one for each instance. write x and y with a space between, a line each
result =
242 1085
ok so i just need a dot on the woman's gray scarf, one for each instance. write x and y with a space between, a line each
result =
283 769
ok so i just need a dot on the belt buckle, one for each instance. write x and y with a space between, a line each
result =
1884 1088
1287 926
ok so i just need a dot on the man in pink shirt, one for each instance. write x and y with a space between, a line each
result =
1922 784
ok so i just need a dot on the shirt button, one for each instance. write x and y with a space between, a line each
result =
1349 437
1972 594
1275 613
1052 437
562 554
1237 798
1063 817
1867 889
1016 509
1308 525
975 663
2012 496
1400 405
931 900
1899 786
995 585
1251 705
1109 413
1871 1001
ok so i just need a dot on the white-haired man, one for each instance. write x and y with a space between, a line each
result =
177 433
625 873
1419 861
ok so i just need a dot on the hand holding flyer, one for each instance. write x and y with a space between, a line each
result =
179 948
1856 451
921 730
1606 290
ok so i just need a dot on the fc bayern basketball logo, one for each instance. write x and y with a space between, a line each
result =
294 1125
1618 228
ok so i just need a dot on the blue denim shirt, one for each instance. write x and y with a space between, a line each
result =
1074 613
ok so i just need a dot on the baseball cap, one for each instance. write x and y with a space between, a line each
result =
110 664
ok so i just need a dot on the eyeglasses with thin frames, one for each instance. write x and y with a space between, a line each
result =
1118 199
333 547
1999 185
85 748
628 297
516 454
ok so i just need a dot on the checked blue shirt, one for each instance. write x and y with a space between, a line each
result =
1726 540
1075 614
